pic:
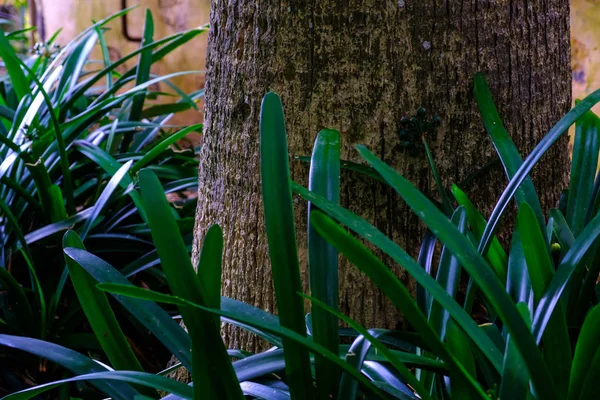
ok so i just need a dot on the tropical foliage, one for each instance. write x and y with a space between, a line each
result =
72 164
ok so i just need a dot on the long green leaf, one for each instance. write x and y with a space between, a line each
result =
476 266
59 57
211 368
446 206
515 379
105 55
99 313
561 229
281 235
557 345
13 223
13 67
586 351
256 321
425 260
448 276
460 345
227 304
60 143
376 237
142 76
535 250
506 149
586 146
569 264
395 291
536 154
111 166
209 265
518 284
150 381
379 346
496 254
154 318
162 146
105 196
71 360
74 64
324 179
165 45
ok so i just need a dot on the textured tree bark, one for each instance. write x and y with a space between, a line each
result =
359 67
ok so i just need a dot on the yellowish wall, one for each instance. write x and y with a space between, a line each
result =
585 47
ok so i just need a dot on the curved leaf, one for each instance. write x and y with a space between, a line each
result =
135 377
476 266
73 361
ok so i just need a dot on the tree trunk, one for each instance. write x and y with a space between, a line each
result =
359 67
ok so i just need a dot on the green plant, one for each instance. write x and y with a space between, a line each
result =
74 131
540 341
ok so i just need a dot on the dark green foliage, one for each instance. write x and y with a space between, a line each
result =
64 164
539 340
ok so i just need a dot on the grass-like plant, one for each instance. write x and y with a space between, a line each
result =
74 131
540 341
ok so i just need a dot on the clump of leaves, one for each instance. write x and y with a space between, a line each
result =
540 340
74 132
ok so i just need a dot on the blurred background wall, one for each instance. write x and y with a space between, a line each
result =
585 47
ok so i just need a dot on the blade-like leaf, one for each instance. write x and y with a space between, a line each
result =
149 381
496 254
99 313
281 235
506 149
557 345
515 379
425 260
446 206
586 146
324 179
162 146
142 76
256 321
476 266
586 352
518 284
395 291
350 392
71 360
569 264
448 276
460 345
209 266
155 319
376 237
112 184
211 368
521 175
74 64
13 67
561 230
